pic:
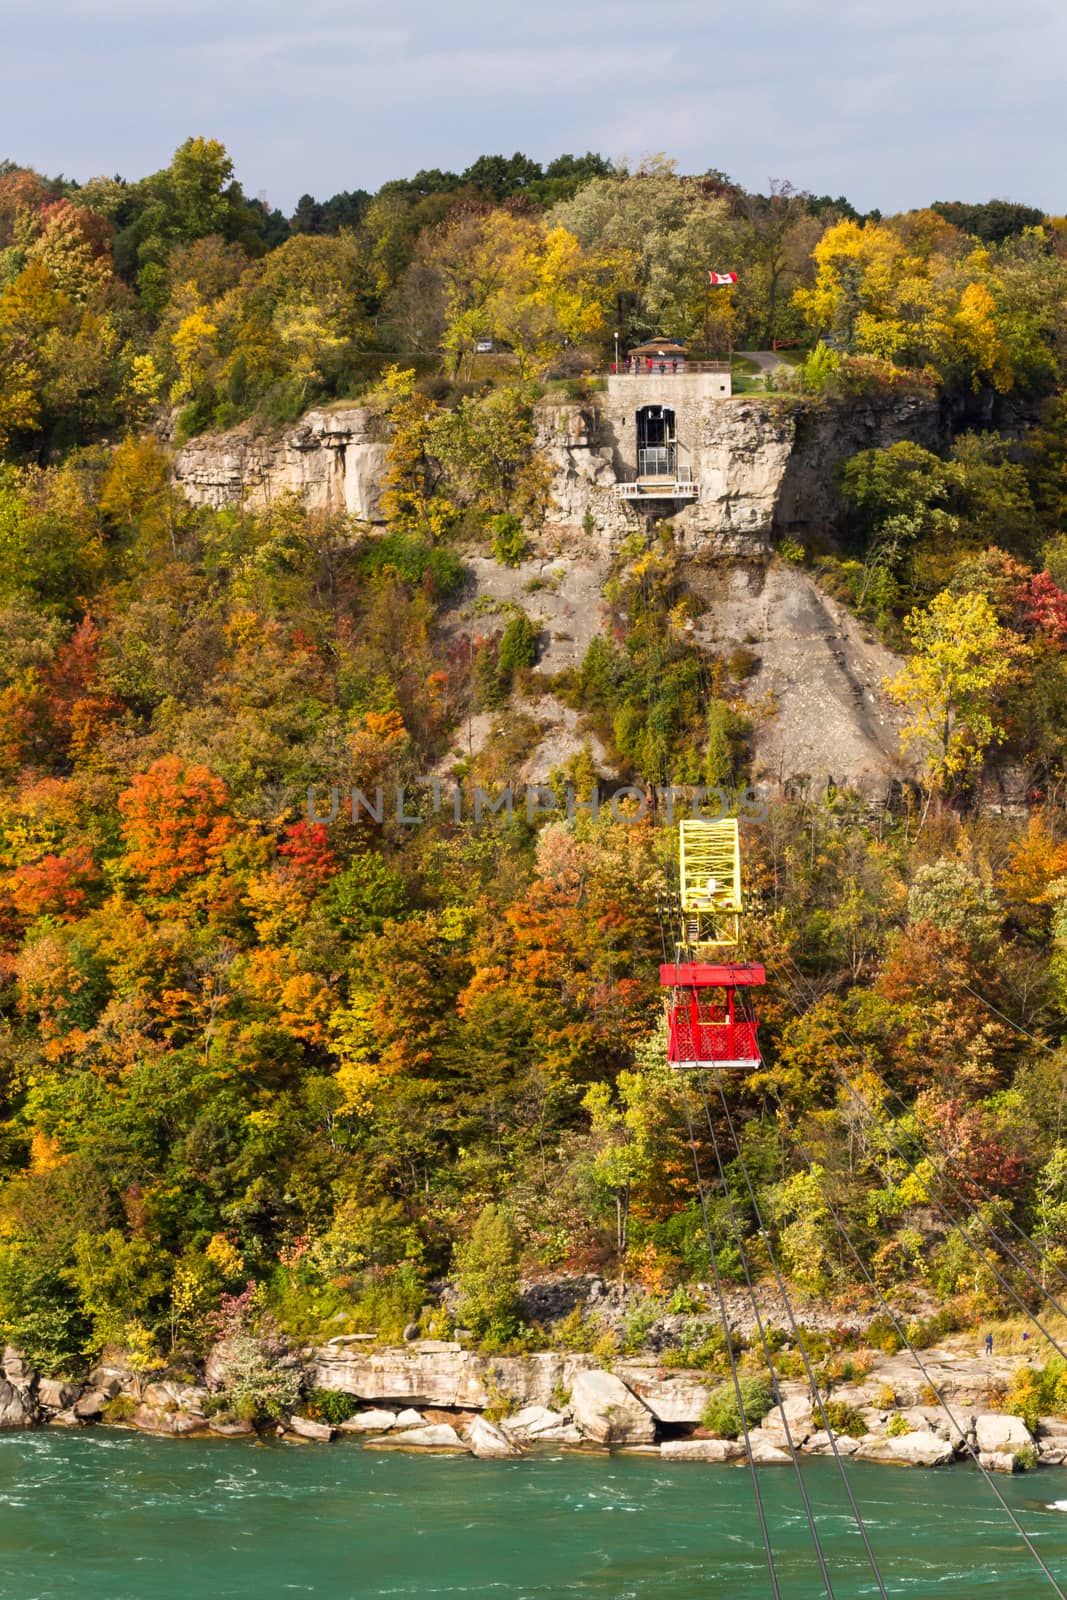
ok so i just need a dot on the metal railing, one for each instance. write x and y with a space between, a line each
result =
667 367
656 461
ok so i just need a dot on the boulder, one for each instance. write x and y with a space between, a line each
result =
154 1419
231 1430
66 1419
408 1418
765 1453
794 1411
167 1394
435 1436
719 1450
1052 1428
539 1425
681 1399
490 1443
16 1407
998 1433
90 1404
923 1448
820 1444
375 1421
304 1428
56 1394
107 1381
17 1369
607 1411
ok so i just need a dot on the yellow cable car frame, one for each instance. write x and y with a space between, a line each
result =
709 875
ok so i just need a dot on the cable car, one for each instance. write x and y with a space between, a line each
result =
710 1018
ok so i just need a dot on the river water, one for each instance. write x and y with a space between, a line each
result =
110 1515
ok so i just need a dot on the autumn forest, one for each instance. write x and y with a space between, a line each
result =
343 1061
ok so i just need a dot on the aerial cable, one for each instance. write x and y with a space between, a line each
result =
971 1243
768 1359
960 1194
753 1470
787 1303
902 1334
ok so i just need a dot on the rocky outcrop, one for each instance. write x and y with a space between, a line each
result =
332 459
440 1373
716 1450
490 1443
607 1411
1005 1444
307 1428
433 1436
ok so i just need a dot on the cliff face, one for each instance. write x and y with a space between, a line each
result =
331 459
764 466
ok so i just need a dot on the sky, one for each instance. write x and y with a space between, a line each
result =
894 103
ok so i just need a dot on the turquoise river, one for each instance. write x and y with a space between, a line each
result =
111 1515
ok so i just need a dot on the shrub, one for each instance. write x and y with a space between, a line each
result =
791 550
510 544
843 1418
721 1415
120 1409
413 560
329 1405
898 1426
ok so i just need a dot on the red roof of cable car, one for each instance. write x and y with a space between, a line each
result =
706 975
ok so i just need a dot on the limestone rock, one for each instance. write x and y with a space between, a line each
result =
673 1400
701 1450
17 1369
765 1452
607 1411
66 1419
408 1418
440 1373
90 1404
539 1425
820 1444
305 1428
490 1443
374 1421
231 1430
154 1419
995 1432
434 1436
922 1448
16 1407
793 1412
56 1394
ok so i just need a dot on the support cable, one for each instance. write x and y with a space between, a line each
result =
939 1205
768 1358
787 1303
760 1509
902 1334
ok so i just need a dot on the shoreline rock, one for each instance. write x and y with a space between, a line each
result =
432 1395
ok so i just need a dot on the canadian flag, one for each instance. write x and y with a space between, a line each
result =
719 278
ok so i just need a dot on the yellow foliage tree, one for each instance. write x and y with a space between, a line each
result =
962 657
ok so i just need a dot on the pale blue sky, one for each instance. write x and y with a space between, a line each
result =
892 102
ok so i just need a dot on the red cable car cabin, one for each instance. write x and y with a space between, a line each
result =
707 1032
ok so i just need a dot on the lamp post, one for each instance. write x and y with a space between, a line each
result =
616 349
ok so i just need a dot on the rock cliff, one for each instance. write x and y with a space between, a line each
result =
331 459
